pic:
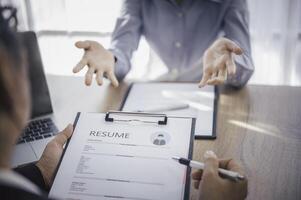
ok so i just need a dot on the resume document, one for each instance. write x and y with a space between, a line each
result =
124 160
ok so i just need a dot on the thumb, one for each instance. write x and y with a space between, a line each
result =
83 44
205 78
233 47
211 164
63 136
113 78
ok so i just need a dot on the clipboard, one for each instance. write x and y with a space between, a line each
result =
148 118
211 136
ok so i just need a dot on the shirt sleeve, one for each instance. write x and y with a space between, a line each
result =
126 36
236 28
32 173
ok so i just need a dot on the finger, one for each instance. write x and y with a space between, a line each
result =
99 77
222 75
214 75
215 81
83 44
211 165
113 78
218 78
223 163
205 78
197 175
80 65
231 67
89 76
221 61
231 165
233 47
234 166
196 184
63 136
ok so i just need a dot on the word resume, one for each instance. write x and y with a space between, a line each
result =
123 160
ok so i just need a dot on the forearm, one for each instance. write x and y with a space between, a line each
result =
32 173
126 36
236 28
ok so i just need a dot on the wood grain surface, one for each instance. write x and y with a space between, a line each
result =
260 126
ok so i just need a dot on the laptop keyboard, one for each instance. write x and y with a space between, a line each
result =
37 130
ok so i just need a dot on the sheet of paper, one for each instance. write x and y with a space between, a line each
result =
146 96
121 160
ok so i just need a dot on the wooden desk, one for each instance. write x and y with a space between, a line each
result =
258 125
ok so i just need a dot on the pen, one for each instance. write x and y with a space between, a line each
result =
198 165
166 108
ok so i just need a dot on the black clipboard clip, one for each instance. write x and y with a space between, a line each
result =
159 122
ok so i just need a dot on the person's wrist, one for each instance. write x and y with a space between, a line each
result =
111 56
44 173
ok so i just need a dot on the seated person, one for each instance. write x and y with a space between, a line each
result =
206 41
32 180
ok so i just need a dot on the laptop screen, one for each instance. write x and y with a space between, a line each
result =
40 97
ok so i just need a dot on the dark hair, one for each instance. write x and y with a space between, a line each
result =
10 53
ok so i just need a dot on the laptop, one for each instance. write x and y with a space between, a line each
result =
40 129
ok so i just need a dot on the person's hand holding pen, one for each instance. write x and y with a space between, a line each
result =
212 186
99 61
218 62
